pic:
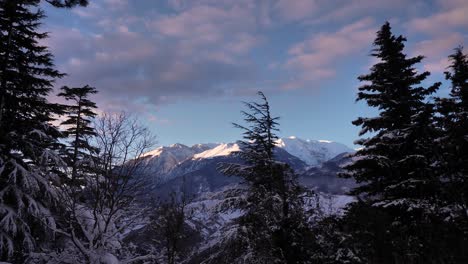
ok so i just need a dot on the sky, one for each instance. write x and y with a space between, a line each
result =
184 67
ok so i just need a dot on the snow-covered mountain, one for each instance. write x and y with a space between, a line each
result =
196 167
312 152
195 171
200 173
219 150
163 160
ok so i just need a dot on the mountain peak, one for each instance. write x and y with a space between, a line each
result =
313 152
178 145
223 149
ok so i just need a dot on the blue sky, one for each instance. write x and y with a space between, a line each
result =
184 66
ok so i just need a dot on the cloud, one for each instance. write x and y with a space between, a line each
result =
436 47
437 65
315 58
441 30
452 15
436 50
142 54
441 21
296 9
117 4
139 63
352 9
209 26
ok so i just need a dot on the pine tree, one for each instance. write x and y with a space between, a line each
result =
454 122
27 139
78 127
395 168
274 227
453 145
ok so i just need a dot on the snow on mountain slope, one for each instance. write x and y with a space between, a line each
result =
313 152
165 163
220 150
198 148
179 151
163 159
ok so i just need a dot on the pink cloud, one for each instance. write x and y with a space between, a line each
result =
437 65
440 46
192 53
158 120
314 58
450 4
436 50
331 11
453 15
204 21
116 4
221 33
296 9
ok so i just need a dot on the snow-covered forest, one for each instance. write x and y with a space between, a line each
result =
82 185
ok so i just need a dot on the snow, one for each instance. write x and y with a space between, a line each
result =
221 150
154 153
178 150
334 204
167 162
313 152
163 160
109 259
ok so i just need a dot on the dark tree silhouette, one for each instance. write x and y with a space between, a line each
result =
395 168
28 161
274 227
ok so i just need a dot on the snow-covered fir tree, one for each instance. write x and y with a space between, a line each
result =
27 139
273 228
395 168
453 149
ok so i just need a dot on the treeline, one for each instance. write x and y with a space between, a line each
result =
68 191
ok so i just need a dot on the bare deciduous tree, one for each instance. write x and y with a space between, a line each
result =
97 218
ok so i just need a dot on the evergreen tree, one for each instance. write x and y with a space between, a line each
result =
78 127
453 145
27 140
274 227
395 168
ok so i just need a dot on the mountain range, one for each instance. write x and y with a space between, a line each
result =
195 168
